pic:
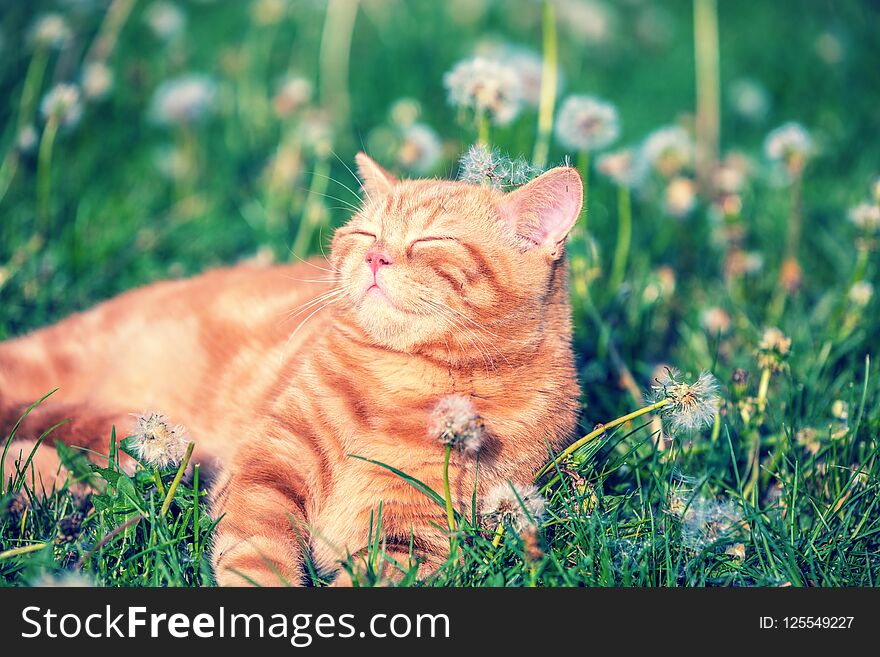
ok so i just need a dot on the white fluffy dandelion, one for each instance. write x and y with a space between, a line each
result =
691 406
790 145
706 522
454 421
587 123
157 442
680 197
420 148
97 80
293 92
860 293
773 350
486 87
62 104
526 62
51 31
866 216
481 165
668 150
165 19
624 167
183 100
513 505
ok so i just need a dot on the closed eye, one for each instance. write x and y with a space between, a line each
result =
356 231
432 239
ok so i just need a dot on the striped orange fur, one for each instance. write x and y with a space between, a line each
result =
282 373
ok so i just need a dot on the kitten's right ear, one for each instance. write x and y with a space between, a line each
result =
374 179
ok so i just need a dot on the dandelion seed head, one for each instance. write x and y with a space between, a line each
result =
691 406
707 522
715 321
292 93
316 132
866 216
165 19
485 86
62 103
454 421
269 12
586 20
742 263
860 293
526 62
625 167
183 100
789 145
51 31
668 150
420 148
405 111
516 506
157 442
97 80
680 197
587 123
749 99
27 139
773 350
481 165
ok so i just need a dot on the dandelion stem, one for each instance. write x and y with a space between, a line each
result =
158 479
312 210
32 83
624 236
599 431
334 57
763 387
173 488
499 534
14 552
450 514
195 551
44 175
549 72
483 129
707 65
584 169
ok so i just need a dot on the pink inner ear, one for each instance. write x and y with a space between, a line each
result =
545 210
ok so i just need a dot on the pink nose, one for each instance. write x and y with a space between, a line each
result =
376 259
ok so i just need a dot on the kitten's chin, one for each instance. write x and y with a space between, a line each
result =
387 325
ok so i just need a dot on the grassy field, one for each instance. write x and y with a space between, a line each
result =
148 140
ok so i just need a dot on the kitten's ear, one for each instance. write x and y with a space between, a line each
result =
374 179
546 209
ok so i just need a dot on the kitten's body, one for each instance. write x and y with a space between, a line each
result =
284 405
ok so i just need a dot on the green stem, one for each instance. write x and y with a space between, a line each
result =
310 217
483 129
14 552
499 534
624 236
583 165
158 479
173 488
196 559
597 432
32 83
549 82
450 514
707 64
44 175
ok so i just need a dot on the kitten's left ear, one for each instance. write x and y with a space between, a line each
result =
546 209
374 178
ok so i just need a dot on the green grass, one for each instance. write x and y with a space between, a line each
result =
621 512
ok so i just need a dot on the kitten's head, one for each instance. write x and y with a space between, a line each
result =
453 268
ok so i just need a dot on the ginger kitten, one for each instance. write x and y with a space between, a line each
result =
433 288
